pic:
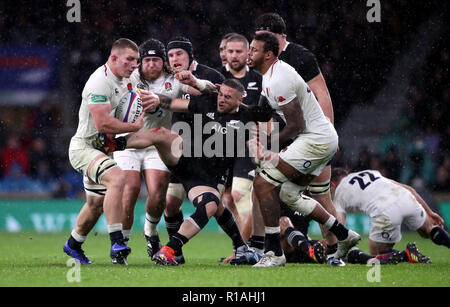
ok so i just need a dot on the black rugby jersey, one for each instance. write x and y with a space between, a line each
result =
302 59
224 135
252 82
206 73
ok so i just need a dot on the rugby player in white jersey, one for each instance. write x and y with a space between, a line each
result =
388 204
104 181
314 143
153 75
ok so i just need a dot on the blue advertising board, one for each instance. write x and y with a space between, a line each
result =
27 73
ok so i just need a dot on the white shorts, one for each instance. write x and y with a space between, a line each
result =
309 157
91 163
140 159
386 226
305 155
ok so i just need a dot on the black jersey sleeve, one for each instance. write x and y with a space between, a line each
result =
302 59
256 113
199 104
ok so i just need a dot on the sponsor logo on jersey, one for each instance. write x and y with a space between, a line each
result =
151 52
252 86
235 124
98 98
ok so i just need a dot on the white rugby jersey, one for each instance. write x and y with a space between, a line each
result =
366 192
166 85
102 87
281 84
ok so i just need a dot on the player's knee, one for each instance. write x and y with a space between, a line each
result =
285 223
200 216
290 192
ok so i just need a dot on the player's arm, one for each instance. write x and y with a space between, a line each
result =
172 104
104 123
320 90
196 86
295 123
436 218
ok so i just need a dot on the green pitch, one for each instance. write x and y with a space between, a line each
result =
37 259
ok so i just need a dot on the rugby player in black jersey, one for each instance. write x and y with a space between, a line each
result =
226 128
180 54
241 177
305 63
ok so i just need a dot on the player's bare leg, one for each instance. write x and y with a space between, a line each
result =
157 182
168 144
324 198
130 195
89 215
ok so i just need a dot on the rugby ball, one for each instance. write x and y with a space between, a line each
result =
129 107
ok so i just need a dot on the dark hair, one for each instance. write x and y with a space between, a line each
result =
337 173
123 43
270 22
184 43
270 42
233 83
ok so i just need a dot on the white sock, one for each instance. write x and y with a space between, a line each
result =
271 230
114 227
77 237
330 222
126 234
150 225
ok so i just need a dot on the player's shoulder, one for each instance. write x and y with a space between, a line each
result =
297 52
209 73
98 81
254 74
284 71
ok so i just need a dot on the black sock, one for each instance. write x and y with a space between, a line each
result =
439 236
227 222
74 244
272 243
176 242
357 256
294 237
331 249
116 237
257 242
173 223
339 231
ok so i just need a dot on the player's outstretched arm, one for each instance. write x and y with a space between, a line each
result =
173 104
197 86
437 220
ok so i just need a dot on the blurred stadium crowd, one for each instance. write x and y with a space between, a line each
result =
355 57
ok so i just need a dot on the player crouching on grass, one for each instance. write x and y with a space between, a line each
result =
201 176
388 204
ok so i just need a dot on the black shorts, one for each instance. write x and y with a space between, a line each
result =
193 172
299 221
242 166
